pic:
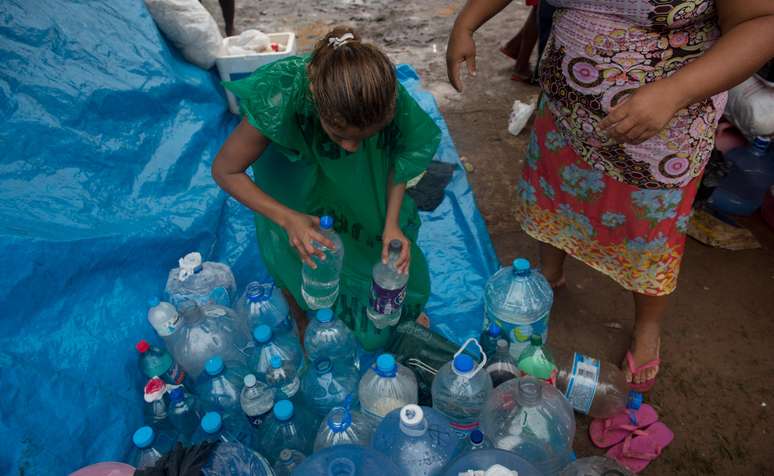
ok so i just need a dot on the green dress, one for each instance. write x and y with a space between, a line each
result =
306 171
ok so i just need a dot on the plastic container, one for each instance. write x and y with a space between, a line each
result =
183 414
460 389
388 289
486 458
502 367
282 378
256 400
235 459
532 419
198 282
386 386
224 427
537 361
156 404
287 427
267 345
418 439
344 426
595 466
326 386
220 385
489 339
108 468
263 303
149 446
320 286
742 191
518 299
156 362
287 462
347 460
163 317
329 337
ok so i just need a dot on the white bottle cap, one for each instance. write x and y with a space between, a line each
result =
188 265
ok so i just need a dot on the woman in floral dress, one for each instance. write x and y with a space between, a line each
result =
632 93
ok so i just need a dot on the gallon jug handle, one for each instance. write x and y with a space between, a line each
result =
480 349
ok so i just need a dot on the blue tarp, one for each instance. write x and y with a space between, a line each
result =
105 148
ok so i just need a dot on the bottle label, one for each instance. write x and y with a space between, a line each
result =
386 301
583 381
519 334
462 431
175 374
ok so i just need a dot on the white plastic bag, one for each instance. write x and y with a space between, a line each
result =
248 42
190 27
751 108
519 116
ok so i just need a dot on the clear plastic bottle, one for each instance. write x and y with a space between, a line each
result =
220 386
489 339
388 290
287 427
224 427
149 447
164 318
460 389
502 366
418 439
156 362
287 462
326 386
200 282
156 404
386 386
518 299
256 400
347 460
282 378
595 466
344 426
183 414
267 345
742 191
320 286
537 361
263 303
532 419
329 337
235 459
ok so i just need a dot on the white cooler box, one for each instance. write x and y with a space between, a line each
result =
236 67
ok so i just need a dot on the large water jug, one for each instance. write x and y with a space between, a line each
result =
282 378
220 385
460 389
595 466
197 282
386 386
344 426
263 303
326 386
518 299
156 362
288 427
184 413
267 345
235 459
287 462
533 419
224 427
107 468
256 400
204 332
329 337
742 191
347 460
496 461
418 439
320 285
388 290
149 446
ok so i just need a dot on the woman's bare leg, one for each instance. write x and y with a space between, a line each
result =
552 264
649 311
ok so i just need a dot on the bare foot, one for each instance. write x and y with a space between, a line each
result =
511 49
646 344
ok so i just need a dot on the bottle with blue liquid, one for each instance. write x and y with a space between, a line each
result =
221 385
149 446
320 285
287 427
329 337
326 386
267 345
742 191
198 282
263 303
386 386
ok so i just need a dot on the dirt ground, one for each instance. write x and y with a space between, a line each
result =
716 386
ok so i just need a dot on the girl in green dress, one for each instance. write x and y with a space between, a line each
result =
332 133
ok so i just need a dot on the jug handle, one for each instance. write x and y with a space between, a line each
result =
480 349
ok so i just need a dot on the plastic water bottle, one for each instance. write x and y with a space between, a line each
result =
519 299
320 286
156 404
489 339
267 345
263 303
149 447
287 427
532 419
207 331
742 191
221 385
235 459
282 378
256 400
155 362
224 427
474 442
183 413
418 439
595 466
388 290
344 426
287 462
164 318
490 461
460 389
386 386
200 282
326 386
537 361
347 460
329 337
502 366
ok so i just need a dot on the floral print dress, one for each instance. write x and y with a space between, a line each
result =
622 209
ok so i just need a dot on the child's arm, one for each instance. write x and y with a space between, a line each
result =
243 147
392 231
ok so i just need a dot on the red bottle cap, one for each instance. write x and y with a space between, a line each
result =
142 346
275 47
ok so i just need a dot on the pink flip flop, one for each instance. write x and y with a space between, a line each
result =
642 447
648 384
608 432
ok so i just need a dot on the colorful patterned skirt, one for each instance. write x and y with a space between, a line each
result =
635 236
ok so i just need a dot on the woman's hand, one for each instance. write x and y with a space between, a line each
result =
302 230
393 232
460 49
643 114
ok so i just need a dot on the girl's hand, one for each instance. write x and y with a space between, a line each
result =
643 114
302 230
393 232
460 49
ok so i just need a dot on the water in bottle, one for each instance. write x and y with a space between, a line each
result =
344 426
460 389
347 460
163 317
183 413
595 466
388 289
418 439
329 337
742 191
224 427
156 362
537 361
326 386
320 286
386 386
288 427
156 404
502 366
490 461
197 282
267 345
518 299
282 378
235 459
221 384
287 462
532 419
489 339
263 303
256 400
149 446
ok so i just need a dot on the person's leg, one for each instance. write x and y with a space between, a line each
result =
529 36
649 312
227 6
552 264
512 48
298 314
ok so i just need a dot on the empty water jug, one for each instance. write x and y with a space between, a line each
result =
149 446
329 337
267 345
220 385
288 427
224 427
326 386
282 378
344 426
197 282
263 303
386 386
235 459
347 460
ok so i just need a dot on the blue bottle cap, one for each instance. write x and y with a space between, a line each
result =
493 330
635 400
214 366
250 380
143 437
324 315
283 410
521 265
385 363
262 334
176 395
326 222
276 361
211 422
463 363
153 302
476 437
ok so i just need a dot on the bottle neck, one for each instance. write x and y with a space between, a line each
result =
530 392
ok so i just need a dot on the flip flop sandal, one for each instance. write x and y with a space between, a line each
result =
642 447
608 432
648 384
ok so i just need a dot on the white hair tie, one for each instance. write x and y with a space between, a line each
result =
341 40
